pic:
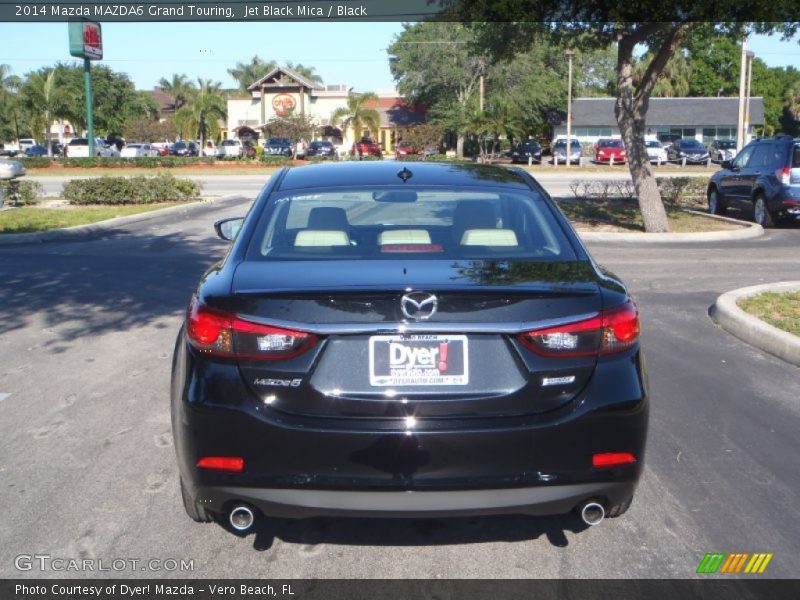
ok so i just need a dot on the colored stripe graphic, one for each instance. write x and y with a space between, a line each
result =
711 562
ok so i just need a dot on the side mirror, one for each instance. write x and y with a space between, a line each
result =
727 164
228 229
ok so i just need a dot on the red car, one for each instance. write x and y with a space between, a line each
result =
607 149
404 149
367 147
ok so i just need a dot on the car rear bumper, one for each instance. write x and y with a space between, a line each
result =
301 503
304 466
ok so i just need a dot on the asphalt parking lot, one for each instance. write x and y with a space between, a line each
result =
87 467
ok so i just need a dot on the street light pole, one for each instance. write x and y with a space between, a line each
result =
750 56
570 53
740 122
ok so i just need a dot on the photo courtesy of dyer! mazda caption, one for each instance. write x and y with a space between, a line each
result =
428 341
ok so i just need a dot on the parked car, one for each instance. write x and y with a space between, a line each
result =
79 148
656 151
608 150
404 149
764 176
230 148
667 139
37 150
162 148
182 148
722 150
286 400
277 146
138 151
25 143
689 148
559 151
321 148
522 152
366 147
10 169
210 149
9 149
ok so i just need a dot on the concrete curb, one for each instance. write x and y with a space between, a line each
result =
727 314
85 231
748 231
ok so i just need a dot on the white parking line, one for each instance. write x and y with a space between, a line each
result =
3 396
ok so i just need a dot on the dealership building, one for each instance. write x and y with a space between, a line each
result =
705 119
283 92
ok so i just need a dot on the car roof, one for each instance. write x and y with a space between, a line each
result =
385 173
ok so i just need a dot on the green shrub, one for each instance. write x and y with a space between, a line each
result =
18 193
131 190
144 161
35 162
272 159
675 189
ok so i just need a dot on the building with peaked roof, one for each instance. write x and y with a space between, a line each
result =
703 118
283 92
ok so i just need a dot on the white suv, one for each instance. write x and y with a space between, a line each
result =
79 148
230 148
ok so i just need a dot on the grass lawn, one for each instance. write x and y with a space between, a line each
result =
28 219
781 310
623 215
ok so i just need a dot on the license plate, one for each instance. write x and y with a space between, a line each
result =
399 360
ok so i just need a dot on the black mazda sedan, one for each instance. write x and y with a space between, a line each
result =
429 340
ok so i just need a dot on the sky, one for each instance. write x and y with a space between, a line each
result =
342 53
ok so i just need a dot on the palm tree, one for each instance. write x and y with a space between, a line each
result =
358 116
179 88
247 73
309 73
674 80
204 110
42 96
9 100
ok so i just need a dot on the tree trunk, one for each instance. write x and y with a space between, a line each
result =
460 145
47 134
630 111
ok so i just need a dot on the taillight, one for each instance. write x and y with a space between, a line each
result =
612 459
784 175
611 331
235 464
223 334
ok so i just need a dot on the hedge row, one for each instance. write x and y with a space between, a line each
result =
131 190
113 162
674 189
19 192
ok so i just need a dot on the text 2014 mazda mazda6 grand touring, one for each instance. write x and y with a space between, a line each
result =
418 341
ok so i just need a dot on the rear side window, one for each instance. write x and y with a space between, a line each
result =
761 156
402 223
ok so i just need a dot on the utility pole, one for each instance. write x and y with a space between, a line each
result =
750 56
87 84
570 53
740 122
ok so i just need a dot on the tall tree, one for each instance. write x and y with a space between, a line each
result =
674 81
357 116
247 73
205 109
10 115
179 88
43 97
435 61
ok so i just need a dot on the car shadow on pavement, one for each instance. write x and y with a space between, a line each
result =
412 532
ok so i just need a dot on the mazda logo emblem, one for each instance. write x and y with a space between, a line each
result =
419 306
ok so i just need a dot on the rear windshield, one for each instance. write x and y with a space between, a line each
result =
278 141
230 143
726 144
397 223
79 142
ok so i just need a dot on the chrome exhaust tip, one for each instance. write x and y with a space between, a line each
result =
241 517
593 513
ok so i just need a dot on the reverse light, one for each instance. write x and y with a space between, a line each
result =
612 459
614 330
234 464
784 175
223 334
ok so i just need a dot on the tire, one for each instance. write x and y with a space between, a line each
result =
195 512
619 509
761 213
715 204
